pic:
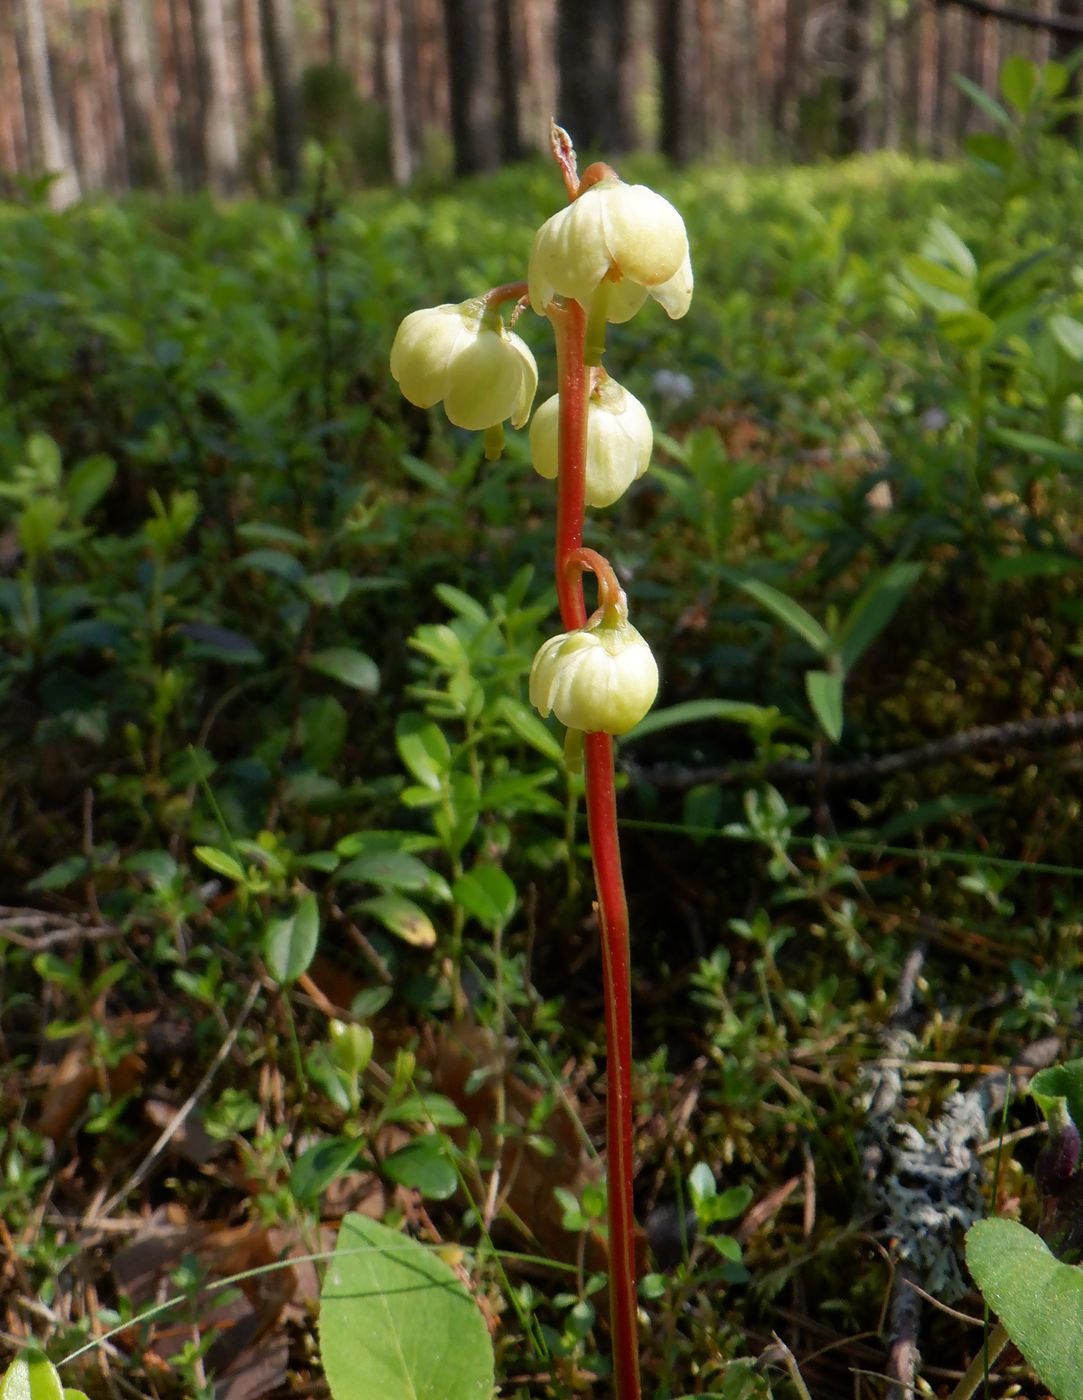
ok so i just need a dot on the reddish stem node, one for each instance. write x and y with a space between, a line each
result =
510 291
595 173
610 593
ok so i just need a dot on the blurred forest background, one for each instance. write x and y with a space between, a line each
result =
183 95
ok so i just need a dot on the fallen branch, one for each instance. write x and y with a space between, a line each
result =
1016 733
1029 19
37 930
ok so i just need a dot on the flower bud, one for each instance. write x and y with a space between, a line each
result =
626 233
619 441
463 355
601 678
1058 1161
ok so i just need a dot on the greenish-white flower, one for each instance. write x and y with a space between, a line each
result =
626 233
600 678
463 355
619 441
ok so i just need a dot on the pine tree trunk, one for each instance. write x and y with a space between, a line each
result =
469 25
791 78
173 22
251 55
538 38
47 147
507 73
218 131
88 84
680 66
401 148
148 145
593 47
280 54
13 154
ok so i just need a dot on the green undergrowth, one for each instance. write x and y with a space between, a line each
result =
267 757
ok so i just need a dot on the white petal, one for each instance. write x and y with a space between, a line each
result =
544 438
675 296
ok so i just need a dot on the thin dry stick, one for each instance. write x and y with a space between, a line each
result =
175 1123
1014 734
13 921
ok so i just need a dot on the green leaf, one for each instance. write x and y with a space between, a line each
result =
425 1108
732 1203
530 728
1068 333
271 561
64 872
993 149
425 1165
968 330
375 839
873 610
290 944
701 1184
31 1376
316 1168
792 614
324 727
1019 81
222 863
87 484
44 456
328 589
263 532
1038 1299
488 894
403 918
394 870
824 690
1054 77
1032 563
938 286
345 664
699 711
423 749
1060 1082
397 1324
1048 449
944 244
456 601
989 105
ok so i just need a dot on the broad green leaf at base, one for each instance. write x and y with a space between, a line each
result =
1038 1299
397 1324
31 1376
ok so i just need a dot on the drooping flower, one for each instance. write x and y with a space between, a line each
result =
619 441
464 355
599 678
627 234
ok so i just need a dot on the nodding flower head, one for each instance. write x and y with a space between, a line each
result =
600 678
619 441
464 355
624 234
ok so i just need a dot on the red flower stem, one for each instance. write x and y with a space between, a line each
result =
574 378
616 972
